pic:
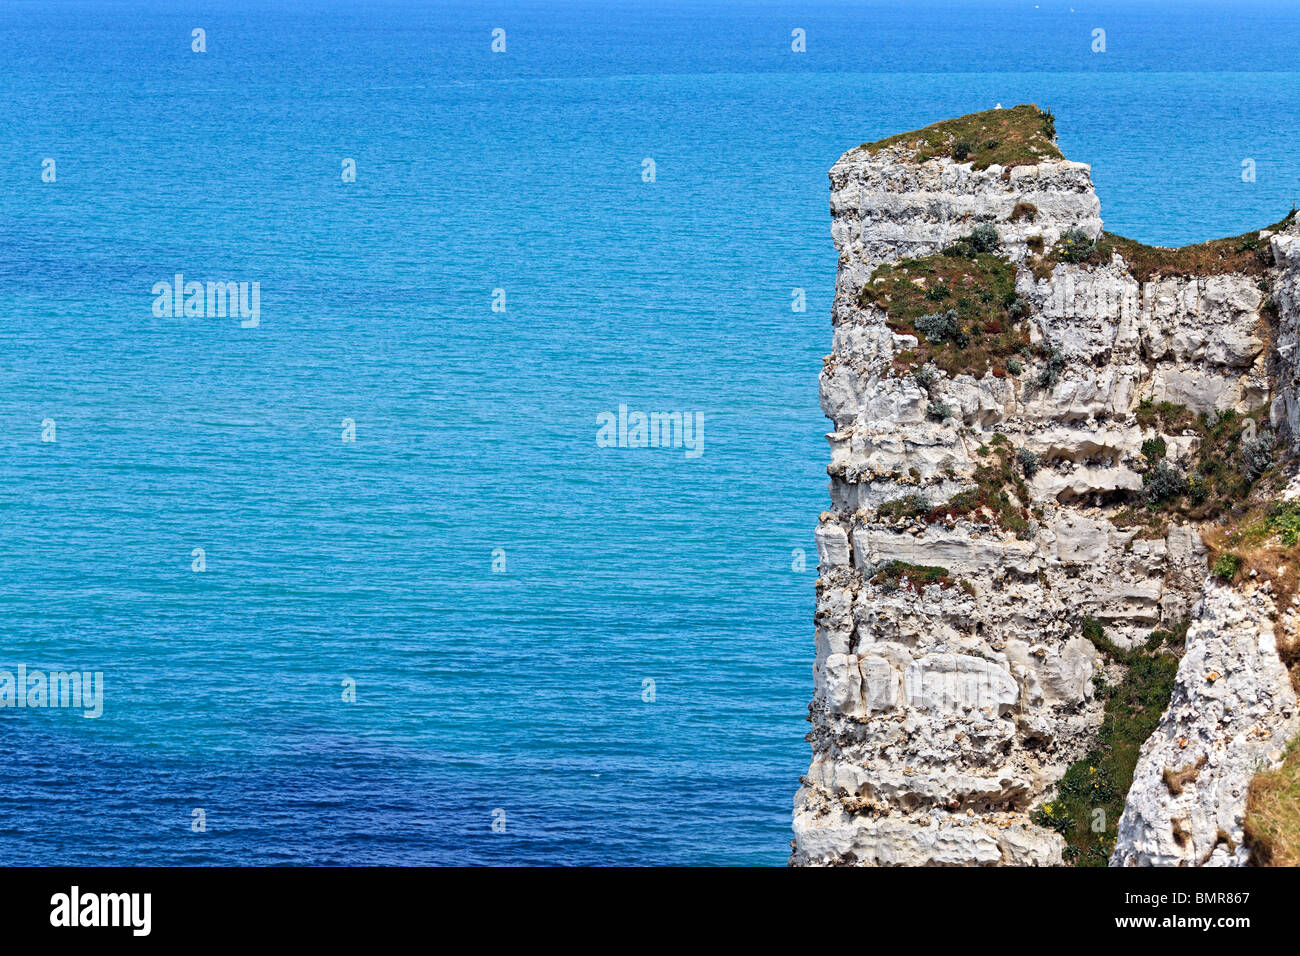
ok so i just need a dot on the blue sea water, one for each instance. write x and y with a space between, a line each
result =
479 690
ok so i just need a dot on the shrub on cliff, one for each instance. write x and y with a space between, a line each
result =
982 240
1053 366
1153 449
939 327
938 411
1074 246
1028 462
1163 483
908 506
1257 456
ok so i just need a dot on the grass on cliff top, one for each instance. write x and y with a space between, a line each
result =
1273 812
978 293
1246 254
1020 136
1091 794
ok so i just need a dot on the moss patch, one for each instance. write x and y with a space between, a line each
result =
963 311
1022 135
1101 780
908 506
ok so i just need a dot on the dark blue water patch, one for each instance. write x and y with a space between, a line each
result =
344 801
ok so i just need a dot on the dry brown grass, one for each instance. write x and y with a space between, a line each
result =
1244 254
1273 812
1264 556
1177 780
1265 541
1270 560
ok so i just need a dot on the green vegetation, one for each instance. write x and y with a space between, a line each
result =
908 506
912 577
961 305
1232 453
1259 540
1053 366
1273 812
982 240
1246 254
1284 521
938 411
996 482
1020 136
1163 484
1226 566
1028 462
999 497
1153 449
1075 246
1101 780
1165 415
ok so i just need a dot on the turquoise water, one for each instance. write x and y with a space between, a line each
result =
520 689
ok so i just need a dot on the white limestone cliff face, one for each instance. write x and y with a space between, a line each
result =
942 714
886 208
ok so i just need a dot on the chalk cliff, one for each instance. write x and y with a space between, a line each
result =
1034 422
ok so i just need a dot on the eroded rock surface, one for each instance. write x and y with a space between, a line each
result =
944 711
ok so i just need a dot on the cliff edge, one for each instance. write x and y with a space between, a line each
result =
1054 608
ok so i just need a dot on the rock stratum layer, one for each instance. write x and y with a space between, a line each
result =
979 516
